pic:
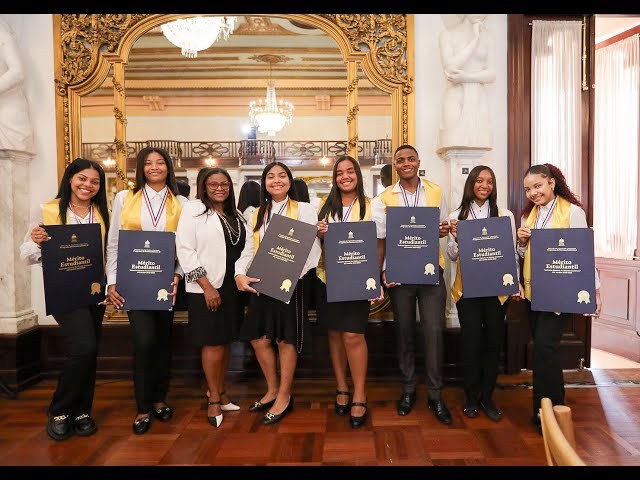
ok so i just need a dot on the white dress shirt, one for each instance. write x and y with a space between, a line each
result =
577 219
146 223
30 251
306 213
200 244
378 209
481 212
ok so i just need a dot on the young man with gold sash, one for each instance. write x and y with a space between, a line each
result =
551 204
412 191
81 199
154 204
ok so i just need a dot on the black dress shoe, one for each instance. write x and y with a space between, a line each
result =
470 407
270 418
259 406
405 404
141 425
359 421
493 412
59 427
340 408
440 410
84 425
163 413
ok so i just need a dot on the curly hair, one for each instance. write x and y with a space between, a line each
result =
561 188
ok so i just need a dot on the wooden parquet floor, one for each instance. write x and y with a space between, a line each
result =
606 418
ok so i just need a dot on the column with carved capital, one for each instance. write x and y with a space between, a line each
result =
16 313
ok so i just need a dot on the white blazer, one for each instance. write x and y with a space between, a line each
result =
200 244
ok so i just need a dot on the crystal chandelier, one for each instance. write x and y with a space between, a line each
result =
198 33
269 114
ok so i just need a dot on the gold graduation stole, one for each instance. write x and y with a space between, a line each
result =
51 216
434 199
320 271
560 220
292 212
456 288
130 215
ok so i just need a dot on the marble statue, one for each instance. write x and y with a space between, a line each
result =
15 125
467 53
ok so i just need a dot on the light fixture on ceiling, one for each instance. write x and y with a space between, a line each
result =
197 33
109 162
269 114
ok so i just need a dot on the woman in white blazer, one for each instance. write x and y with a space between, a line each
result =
209 239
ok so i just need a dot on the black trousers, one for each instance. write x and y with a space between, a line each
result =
482 326
76 384
431 301
546 330
152 356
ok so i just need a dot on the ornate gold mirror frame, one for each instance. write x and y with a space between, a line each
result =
87 46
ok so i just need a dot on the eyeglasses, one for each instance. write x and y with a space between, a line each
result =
216 185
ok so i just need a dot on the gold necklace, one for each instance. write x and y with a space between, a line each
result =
231 231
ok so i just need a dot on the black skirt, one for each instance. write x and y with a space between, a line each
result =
271 318
341 316
220 327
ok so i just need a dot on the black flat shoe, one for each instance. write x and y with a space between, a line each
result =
339 407
405 404
493 412
359 421
216 421
141 426
259 406
440 410
84 425
270 418
470 408
59 427
163 413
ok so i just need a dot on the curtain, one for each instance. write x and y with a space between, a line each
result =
556 132
615 179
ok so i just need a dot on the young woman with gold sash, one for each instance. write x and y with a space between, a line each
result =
154 204
481 319
269 319
551 204
81 199
346 321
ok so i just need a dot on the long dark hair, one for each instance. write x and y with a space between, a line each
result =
99 200
229 203
333 205
560 189
140 178
201 173
302 190
249 195
265 197
468 196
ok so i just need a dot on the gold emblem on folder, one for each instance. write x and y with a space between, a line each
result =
584 297
371 284
286 285
95 288
507 279
429 269
162 295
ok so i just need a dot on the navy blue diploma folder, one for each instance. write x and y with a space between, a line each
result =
563 270
72 267
413 235
146 265
487 257
281 257
351 261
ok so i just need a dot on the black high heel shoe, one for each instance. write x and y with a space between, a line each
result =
270 418
217 420
340 408
359 421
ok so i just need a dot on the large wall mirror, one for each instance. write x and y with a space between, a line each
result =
122 85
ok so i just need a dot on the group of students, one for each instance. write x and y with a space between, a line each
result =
215 245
